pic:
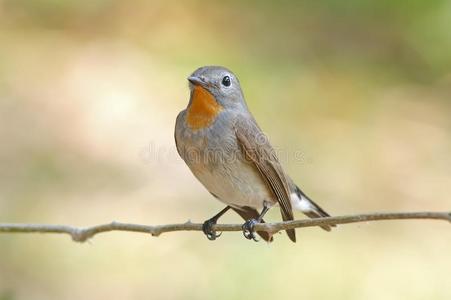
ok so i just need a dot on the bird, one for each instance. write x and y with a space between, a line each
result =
226 150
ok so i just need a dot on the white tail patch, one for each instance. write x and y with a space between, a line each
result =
301 204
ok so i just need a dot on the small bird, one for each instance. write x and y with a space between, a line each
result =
220 141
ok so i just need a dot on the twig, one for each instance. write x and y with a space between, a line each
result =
83 234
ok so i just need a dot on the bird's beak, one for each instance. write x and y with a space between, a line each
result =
197 81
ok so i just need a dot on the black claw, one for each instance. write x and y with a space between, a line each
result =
207 228
248 229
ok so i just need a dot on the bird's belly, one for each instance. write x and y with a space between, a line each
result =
215 158
235 184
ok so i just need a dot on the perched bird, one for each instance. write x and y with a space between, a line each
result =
228 153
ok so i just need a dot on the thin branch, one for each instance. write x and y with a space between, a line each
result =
83 234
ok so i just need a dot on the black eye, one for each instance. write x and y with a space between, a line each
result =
226 81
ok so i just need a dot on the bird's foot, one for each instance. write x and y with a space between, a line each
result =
208 230
248 229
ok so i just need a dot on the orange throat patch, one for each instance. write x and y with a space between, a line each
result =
203 109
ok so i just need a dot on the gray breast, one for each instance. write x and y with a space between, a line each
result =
207 147
215 158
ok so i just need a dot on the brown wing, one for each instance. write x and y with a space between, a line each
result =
258 150
248 213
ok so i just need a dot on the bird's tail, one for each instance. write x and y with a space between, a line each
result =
312 210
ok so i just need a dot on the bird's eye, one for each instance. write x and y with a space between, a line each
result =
226 81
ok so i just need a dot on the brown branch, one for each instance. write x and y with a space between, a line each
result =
83 234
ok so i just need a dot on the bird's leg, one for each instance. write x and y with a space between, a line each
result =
207 227
248 226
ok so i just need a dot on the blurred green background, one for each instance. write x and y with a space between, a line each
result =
89 92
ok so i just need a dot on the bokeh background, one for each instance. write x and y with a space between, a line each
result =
89 92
